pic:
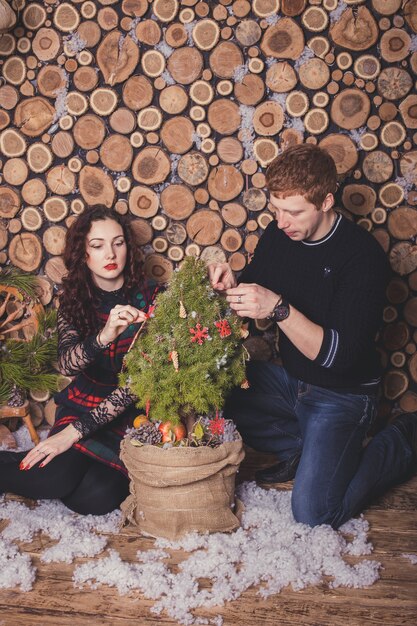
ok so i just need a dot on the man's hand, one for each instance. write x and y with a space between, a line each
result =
46 450
252 300
221 276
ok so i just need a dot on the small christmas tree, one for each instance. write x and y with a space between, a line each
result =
191 353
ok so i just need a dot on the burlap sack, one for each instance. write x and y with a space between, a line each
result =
178 490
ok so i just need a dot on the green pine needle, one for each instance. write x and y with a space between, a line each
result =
30 364
13 277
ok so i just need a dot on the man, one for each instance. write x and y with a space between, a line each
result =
322 280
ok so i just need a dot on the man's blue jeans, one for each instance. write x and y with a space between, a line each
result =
337 477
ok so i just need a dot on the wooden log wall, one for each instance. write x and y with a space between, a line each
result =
172 111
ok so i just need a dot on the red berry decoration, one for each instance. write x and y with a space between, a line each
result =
199 334
223 327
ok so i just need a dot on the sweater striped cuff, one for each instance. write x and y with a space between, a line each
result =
329 348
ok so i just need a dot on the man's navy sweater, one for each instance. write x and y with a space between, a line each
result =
337 282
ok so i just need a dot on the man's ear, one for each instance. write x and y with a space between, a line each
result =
328 203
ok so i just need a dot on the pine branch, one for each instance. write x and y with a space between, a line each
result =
30 364
47 321
5 391
13 277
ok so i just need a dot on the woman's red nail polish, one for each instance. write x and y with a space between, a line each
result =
22 466
41 464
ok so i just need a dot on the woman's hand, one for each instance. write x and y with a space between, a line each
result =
252 300
46 450
120 317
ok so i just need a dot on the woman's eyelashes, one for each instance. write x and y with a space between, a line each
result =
116 243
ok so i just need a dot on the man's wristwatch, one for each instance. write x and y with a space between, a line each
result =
281 311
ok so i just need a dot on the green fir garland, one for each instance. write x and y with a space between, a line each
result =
12 277
28 365
191 354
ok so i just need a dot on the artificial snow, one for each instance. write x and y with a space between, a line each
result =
270 551
75 43
406 183
174 166
306 54
197 139
61 108
356 135
281 99
189 28
16 569
295 123
23 440
132 31
240 72
167 77
272 19
246 126
53 519
270 61
410 557
164 49
339 10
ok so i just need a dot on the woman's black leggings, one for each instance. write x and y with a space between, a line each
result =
83 484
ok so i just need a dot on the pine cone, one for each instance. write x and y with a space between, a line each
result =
17 397
147 433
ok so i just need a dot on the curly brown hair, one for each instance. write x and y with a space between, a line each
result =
305 170
79 300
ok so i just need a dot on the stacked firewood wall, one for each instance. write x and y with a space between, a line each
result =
170 111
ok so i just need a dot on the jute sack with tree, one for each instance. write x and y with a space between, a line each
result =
182 456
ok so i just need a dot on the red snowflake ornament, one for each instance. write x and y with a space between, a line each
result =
223 327
216 425
199 334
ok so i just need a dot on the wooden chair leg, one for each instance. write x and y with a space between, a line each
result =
33 434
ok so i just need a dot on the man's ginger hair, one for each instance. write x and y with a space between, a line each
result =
305 170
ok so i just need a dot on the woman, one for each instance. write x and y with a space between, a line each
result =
104 298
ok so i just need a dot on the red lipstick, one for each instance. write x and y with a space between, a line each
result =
111 266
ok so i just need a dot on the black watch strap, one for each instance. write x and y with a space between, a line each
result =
280 311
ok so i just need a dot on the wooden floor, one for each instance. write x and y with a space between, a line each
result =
392 601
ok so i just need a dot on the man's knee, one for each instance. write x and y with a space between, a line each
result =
309 508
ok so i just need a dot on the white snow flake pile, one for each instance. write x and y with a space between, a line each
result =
168 78
164 49
246 126
306 54
337 13
356 135
406 183
75 43
23 440
16 568
59 523
240 72
270 551
410 557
